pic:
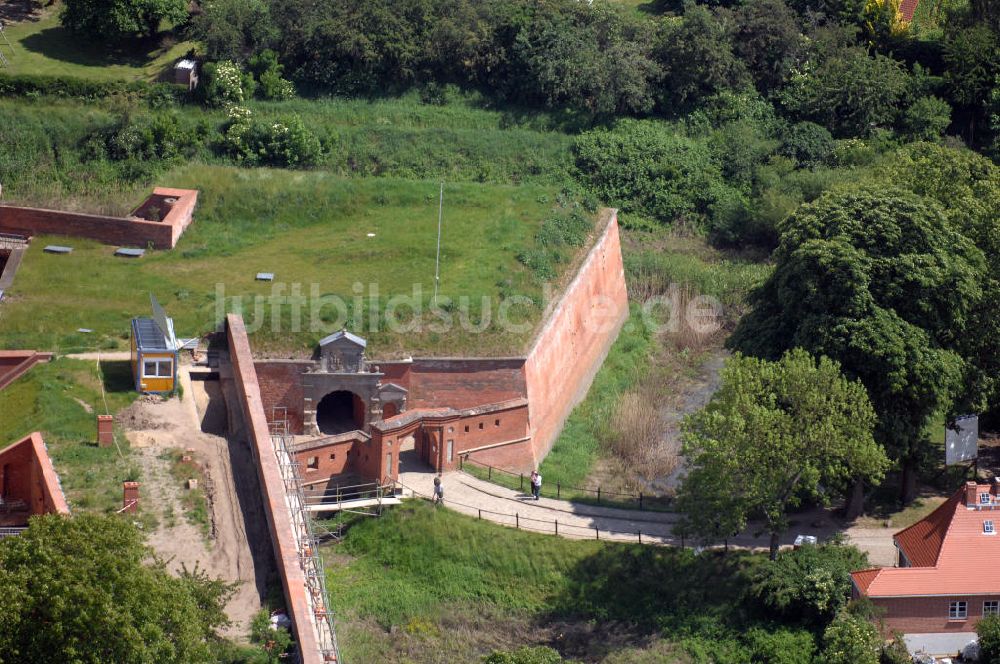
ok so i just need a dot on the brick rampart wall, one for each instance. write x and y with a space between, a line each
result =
126 231
923 615
15 363
457 382
281 385
576 338
31 477
279 519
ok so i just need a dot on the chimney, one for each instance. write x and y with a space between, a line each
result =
105 430
130 496
971 494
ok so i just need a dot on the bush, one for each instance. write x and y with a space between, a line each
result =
808 585
537 655
224 83
145 137
927 118
284 143
29 85
268 72
851 639
781 647
808 144
988 631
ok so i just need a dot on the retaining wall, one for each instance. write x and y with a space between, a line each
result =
575 339
28 471
122 231
15 363
279 519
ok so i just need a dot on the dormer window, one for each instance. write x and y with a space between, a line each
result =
988 528
984 499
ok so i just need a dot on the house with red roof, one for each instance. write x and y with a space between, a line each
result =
947 576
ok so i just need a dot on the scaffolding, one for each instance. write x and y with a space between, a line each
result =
305 538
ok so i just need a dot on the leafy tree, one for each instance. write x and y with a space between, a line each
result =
772 435
768 39
267 70
927 118
225 84
647 168
696 53
972 59
809 585
273 642
808 144
781 646
117 20
234 29
849 93
78 590
878 280
988 631
851 639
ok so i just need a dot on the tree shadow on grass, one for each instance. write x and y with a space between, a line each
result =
659 589
117 375
58 44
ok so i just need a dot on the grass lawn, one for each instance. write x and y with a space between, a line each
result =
42 47
312 229
423 584
60 399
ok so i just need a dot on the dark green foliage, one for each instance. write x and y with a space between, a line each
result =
698 60
285 142
154 136
526 655
234 29
851 639
879 280
225 83
26 85
78 590
767 37
808 144
648 168
267 71
273 643
117 20
850 93
988 631
781 646
808 586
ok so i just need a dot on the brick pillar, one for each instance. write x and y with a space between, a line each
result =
130 496
105 430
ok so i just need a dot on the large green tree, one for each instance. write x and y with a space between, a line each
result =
878 279
80 590
773 434
117 20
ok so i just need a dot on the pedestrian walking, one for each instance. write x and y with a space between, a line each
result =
438 491
536 484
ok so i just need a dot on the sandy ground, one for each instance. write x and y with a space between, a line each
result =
197 423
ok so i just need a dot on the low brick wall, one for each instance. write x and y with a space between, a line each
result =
16 363
31 477
279 519
122 231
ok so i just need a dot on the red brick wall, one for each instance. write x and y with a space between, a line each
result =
110 230
457 383
930 614
15 363
281 385
332 459
576 338
31 477
279 519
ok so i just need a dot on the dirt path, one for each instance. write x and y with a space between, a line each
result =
155 427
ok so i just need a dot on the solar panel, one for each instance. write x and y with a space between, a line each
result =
149 336
130 253
57 249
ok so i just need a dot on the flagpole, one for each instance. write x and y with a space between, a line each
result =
437 261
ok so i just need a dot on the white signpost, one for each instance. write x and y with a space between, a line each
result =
961 440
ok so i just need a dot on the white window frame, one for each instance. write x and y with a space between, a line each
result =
991 608
159 363
958 610
989 528
984 499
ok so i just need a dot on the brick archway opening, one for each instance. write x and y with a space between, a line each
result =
339 412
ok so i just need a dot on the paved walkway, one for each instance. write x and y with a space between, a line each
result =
474 497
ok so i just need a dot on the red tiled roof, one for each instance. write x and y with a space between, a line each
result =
907 8
922 541
950 552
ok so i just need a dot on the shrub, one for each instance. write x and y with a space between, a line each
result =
927 118
27 85
988 631
268 72
285 143
782 646
537 655
808 144
808 585
157 136
851 639
224 83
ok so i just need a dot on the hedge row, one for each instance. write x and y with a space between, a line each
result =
79 88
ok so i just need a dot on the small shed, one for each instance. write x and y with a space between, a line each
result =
154 353
186 73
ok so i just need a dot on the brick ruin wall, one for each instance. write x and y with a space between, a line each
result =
122 231
30 477
279 519
575 339
15 363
